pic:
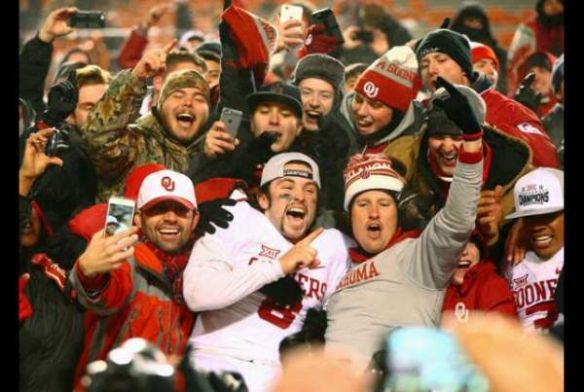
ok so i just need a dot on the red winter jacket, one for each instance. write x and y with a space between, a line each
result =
482 289
135 300
516 120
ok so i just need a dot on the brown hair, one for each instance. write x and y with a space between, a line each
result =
184 56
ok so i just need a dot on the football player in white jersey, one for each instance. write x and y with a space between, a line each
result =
239 328
539 203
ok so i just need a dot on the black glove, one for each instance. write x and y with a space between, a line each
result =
58 141
526 95
458 109
213 212
257 152
284 292
226 381
312 332
445 23
62 101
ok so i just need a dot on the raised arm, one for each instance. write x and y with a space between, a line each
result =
436 251
103 276
112 145
35 58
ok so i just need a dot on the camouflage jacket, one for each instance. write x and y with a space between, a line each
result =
118 140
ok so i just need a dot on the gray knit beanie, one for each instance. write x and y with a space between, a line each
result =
320 66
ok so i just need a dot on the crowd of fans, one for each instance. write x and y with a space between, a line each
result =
303 196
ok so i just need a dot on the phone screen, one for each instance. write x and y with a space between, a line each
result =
120 214
289 12
428 359
88 20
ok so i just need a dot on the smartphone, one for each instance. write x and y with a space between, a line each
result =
88 20
421 358
120 215
327 18
289 12
231 118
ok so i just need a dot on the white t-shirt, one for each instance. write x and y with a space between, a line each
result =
534 282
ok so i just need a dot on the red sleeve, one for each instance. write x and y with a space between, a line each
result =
543 151
516 120
132 49
24 307
496 296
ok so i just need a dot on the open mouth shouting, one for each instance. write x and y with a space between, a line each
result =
374 229
296 216
272 135
185 119
464 264
448 159
311 118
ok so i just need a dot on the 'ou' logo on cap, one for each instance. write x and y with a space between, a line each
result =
370 89
364 173
167 183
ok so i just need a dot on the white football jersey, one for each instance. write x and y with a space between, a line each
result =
534 282
225 272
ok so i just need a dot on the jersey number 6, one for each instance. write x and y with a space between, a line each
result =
281 317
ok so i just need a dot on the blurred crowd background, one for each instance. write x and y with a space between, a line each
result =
418 16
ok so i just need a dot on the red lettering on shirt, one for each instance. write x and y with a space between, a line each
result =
361 273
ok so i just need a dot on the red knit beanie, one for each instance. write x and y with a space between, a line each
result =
480 51
392 79
137 175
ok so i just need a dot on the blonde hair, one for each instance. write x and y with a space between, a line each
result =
92 74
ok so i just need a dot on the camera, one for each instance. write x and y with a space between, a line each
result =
88 20
59 140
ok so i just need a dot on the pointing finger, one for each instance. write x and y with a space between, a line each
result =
170 45
441 82
311 237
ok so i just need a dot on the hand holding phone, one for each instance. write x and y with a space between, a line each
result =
222 137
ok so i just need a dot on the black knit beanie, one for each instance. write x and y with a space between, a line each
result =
320 66
449 42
